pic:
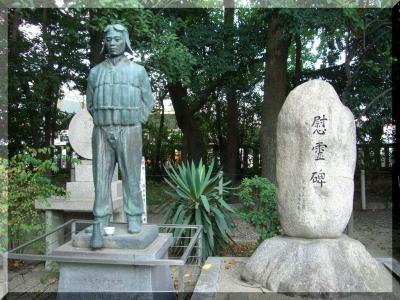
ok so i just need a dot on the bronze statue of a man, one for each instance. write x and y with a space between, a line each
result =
119 98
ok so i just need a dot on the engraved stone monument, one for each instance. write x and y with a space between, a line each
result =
80 134
316 157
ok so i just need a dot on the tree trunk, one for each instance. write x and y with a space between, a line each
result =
14 20
52 86
274 93
194 147
298 65
245 159
96 39
218 123
156 165
256 160
331 56
193 141
232 145
47 115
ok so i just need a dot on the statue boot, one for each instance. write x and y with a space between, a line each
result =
104 221
134 224
96 241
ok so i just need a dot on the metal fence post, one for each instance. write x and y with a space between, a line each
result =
200 249
363 198
181 282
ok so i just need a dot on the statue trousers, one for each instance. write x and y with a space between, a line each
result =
112 144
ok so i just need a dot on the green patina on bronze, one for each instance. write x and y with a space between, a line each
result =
119 98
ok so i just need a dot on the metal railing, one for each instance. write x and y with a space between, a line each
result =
185 249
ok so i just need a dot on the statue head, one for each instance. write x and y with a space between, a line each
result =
116 40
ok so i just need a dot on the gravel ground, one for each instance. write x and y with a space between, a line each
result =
373 228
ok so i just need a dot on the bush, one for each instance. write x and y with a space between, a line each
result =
155 192
28 180
197 199
260 206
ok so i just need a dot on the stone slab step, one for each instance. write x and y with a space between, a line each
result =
390 263
85 189
74 204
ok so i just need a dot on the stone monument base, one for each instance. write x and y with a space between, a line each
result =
296 265
220 279
99 277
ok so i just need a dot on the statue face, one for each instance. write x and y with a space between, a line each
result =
115 43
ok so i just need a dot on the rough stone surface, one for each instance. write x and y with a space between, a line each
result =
286 264
309 206
121 239
80 133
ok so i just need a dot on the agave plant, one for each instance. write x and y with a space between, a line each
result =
198 199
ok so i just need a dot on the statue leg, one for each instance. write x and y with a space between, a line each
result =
103 170
129 159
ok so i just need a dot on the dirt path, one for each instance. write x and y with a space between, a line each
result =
373 228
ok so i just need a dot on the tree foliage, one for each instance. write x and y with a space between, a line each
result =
28 181
259 197
39 65
206 66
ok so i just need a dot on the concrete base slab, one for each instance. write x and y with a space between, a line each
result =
74 204
84 171
121 239
157 249
220 279
97 278
3 275
85 189
391 264
94 277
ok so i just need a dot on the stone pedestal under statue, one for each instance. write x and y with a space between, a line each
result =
108 270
